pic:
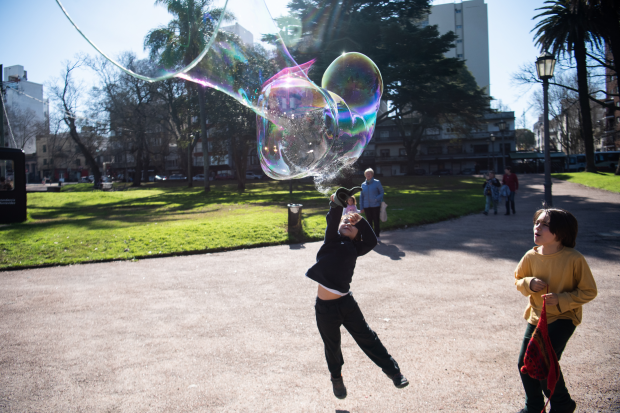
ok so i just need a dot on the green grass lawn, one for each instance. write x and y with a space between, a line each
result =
81 225
602 180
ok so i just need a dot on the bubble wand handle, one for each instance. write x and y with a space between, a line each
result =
187 68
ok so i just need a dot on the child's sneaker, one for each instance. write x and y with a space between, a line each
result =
399 380
339 390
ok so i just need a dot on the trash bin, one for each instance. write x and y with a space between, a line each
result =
294 217
12 185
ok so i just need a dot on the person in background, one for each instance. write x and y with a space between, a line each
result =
370 200
351 206
511 180
4 185
491 193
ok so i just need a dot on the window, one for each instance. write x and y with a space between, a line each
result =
77 162
7 167
385 153
384 134
407 133
44 161
253 157
460 55
459 41
434 150
402 152
369 153
481 148
52 161
458 11
44 148
459 26
452 149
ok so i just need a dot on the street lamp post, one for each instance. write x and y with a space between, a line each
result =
544 67
493 153
502 127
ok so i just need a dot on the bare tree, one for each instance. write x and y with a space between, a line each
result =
25 126
67 96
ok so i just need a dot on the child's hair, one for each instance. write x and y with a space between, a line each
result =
562 224
354 201
508 168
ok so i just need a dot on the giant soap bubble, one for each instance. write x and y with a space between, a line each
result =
236 47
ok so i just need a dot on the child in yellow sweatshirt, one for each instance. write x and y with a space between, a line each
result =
556 271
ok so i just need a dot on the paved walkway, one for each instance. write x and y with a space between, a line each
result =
235 331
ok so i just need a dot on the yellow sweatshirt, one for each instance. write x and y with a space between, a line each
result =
566 273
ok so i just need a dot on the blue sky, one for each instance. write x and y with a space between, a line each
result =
39 37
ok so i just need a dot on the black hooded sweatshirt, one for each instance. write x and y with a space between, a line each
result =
336 259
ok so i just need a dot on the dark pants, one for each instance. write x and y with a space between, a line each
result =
559 333
372 216
330 315
510 202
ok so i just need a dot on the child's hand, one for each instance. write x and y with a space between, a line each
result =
355 218
536 285
552 298
331 198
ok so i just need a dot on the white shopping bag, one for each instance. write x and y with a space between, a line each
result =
383 213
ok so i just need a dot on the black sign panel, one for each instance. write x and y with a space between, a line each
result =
12 185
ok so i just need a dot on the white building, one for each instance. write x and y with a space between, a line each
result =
469 21
244 34
24 99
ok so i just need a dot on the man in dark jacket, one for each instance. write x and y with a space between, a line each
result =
511 180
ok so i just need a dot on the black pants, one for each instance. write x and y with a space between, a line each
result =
510 202
372 216
330 315
559 333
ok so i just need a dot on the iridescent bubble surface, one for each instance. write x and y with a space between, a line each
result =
236 47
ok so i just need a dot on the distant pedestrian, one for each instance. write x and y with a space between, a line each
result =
370 200
511 180
555 275
491 193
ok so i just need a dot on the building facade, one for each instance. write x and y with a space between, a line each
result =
469 21
483 149
611 137
26 106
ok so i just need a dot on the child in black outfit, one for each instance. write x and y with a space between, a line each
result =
346 238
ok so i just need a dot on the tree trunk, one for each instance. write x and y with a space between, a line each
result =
137 175
190 181
90 160
203 134
584 104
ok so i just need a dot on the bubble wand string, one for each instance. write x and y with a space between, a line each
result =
146 78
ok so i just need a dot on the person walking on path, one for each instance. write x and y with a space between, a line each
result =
491 192
553 271
512 181
347 237
370 200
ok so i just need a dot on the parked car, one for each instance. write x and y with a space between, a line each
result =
224 175
419 171
467 171
177 177
160 178
253 175
441 172
85 179
199 177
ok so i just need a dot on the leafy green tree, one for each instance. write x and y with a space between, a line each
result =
526 139
422 87
568 30
178 44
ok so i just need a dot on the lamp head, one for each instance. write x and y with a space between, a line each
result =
545 64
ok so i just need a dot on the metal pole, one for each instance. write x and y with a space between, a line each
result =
503 157
1 108
548 197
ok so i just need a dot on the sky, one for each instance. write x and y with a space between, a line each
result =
38 36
